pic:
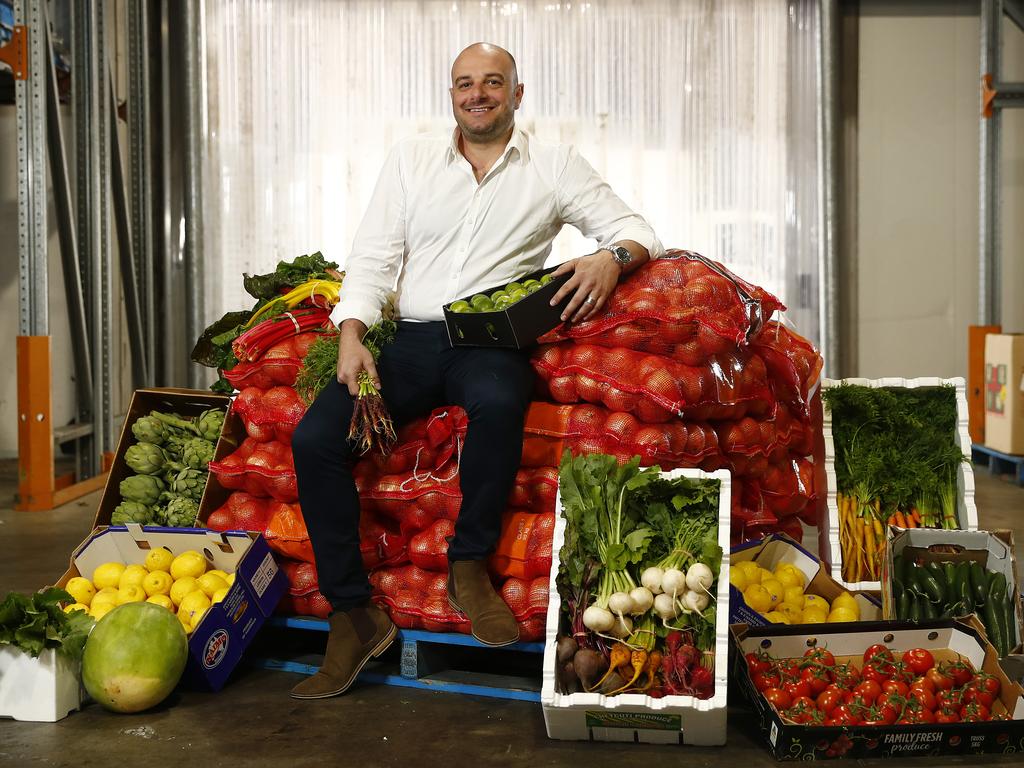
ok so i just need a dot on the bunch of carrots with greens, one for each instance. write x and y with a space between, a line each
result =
896 464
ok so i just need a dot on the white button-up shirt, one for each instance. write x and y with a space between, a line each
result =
432 233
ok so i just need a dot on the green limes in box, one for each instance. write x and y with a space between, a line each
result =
546 278
460 306
479 299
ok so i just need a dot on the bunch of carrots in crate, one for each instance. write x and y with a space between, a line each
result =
896 464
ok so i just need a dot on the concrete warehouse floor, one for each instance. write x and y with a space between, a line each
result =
253 722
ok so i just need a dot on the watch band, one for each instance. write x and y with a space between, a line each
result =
620 253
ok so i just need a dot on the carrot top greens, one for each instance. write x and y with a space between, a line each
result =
897 446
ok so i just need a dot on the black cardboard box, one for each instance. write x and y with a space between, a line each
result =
515 327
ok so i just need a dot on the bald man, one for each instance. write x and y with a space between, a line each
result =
451 215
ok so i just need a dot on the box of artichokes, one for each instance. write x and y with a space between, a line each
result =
159 474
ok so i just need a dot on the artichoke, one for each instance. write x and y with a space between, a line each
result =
175 447
131 512
145 489
145 458
149 430
197 453
210 424
180 512
175 422
189 483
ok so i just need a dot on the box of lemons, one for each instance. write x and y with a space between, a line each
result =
777 581
512 315
212 584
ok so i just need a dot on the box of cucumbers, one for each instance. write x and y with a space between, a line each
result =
935 574
513 315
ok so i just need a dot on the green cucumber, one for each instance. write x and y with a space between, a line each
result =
997 587
931 586
995 627
979 583
928 610
903 605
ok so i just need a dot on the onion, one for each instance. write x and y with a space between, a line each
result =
651 578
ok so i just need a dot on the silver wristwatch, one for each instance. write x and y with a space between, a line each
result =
620 253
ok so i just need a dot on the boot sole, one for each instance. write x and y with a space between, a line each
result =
382 646
503 643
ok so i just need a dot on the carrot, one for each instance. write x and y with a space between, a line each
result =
620 654
916 514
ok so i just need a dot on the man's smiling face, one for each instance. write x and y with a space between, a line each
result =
485 93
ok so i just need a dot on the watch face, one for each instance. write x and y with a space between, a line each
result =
622 254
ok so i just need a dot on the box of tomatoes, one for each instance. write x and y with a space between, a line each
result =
878 689
513 315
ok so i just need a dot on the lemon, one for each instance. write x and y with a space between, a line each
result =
194 604
219 572
133 593
157 583
219 595
198 618
738 579
107 575
775 590
210 583
813 616
846 600
789 577
106 596
758 598
181 587
764 573
159 559
76 607
794 596
814 601
183 618
747 567
230 579
162 600
81 589
792 612
132 576
841 615
101 610
776 617
189 563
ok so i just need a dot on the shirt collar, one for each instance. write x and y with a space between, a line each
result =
519 142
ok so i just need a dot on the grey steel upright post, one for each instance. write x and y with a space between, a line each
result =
989 267
195 294
828 296
30 116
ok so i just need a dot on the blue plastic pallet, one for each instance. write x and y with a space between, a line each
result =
998 462
425 660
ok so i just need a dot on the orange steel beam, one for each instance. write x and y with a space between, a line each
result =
38 488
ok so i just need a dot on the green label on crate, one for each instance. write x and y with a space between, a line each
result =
648 720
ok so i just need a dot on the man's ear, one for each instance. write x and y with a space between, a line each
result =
519 94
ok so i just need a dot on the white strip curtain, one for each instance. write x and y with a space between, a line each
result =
702 114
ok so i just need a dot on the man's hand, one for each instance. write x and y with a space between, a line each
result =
594 277
354 357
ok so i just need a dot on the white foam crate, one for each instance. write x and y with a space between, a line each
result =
632 716
43 689
967 512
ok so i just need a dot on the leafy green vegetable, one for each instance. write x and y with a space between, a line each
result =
288 275
897 446
36 622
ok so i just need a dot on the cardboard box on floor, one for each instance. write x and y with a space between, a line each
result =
216 645
993 549
184 402
779 548
1004 392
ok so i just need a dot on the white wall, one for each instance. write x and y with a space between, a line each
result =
917 188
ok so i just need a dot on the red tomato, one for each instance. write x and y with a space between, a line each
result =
896 686
765 680
960 670
874 671
986 682
877 651
975 713
947 715
817 678
843 715
829 699
846 676
789 669
919 660
869 690
758 662
975 696
952 699
778 698
923 695
922 682
880 716
797 688
821 655
940 680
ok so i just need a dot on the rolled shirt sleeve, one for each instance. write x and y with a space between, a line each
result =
588 203
378 250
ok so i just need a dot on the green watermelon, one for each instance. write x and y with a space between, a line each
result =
134 657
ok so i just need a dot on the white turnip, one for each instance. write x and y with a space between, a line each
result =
642 600
694 602
665 606
598 619
673 582
651 578
699 578
620 603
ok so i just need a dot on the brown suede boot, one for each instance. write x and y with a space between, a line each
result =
470 591
356 636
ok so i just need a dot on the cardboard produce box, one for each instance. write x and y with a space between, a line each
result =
779 548
946 640
516 327
1004 392
216 645
184 402
993 550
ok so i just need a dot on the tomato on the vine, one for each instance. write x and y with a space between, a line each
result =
923 695
877 651
961 670
939 679
953 698
975 713
922 682
983 681
869 689
789 669
919 660
874 671
895 686
822 656
797 688
947 715
758 662
829 699
765 680
778 698
843 715
817 678
846 676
